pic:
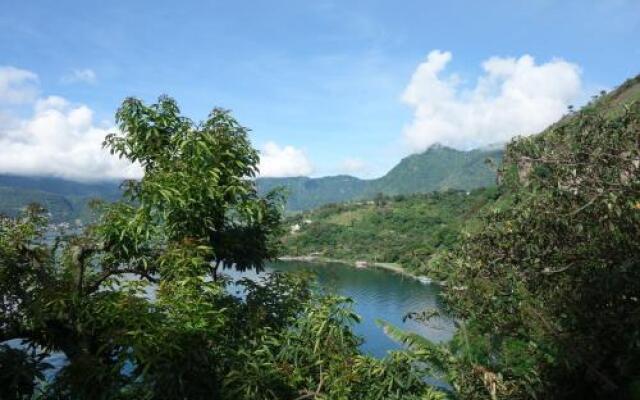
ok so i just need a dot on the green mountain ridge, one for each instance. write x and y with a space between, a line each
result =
436 169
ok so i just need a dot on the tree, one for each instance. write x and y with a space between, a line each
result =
136 304
198 184
547 292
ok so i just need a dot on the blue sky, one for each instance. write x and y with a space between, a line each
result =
327 78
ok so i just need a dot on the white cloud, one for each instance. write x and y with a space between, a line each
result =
514 96
354 166
86 75
17 86
58 138
276 161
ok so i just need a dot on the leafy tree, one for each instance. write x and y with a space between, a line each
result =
136 302
547 292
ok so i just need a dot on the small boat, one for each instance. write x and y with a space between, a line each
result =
424 279
361 264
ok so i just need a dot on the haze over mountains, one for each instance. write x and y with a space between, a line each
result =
438 168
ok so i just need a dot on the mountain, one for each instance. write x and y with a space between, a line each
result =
306 193
436 169
439 168
64 199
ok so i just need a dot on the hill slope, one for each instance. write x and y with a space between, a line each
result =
438 168
399 229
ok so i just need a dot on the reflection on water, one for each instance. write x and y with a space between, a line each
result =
378 294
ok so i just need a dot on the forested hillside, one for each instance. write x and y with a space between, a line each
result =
436 169
393 229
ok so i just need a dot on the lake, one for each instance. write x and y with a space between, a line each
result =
378 294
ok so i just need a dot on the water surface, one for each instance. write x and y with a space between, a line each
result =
378 294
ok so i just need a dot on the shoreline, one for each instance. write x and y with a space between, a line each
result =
392 267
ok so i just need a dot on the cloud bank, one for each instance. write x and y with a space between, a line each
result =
60 139
56 138
276 161
513 96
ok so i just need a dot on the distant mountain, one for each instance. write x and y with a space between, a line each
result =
438 168
64 199
306 193
103 189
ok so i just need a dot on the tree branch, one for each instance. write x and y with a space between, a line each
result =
113 272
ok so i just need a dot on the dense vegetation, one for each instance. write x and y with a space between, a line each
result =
439 168
544 284
547 291
136 302
410 230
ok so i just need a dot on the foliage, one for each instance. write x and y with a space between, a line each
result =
136 302
20 372
547 291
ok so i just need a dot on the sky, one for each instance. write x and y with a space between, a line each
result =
326 87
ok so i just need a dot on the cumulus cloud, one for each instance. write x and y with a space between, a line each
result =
354 166
57 138
513 96
17 86
86 75
276 161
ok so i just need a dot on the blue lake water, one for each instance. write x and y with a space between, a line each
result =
378 294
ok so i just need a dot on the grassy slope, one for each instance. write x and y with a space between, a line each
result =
404 229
